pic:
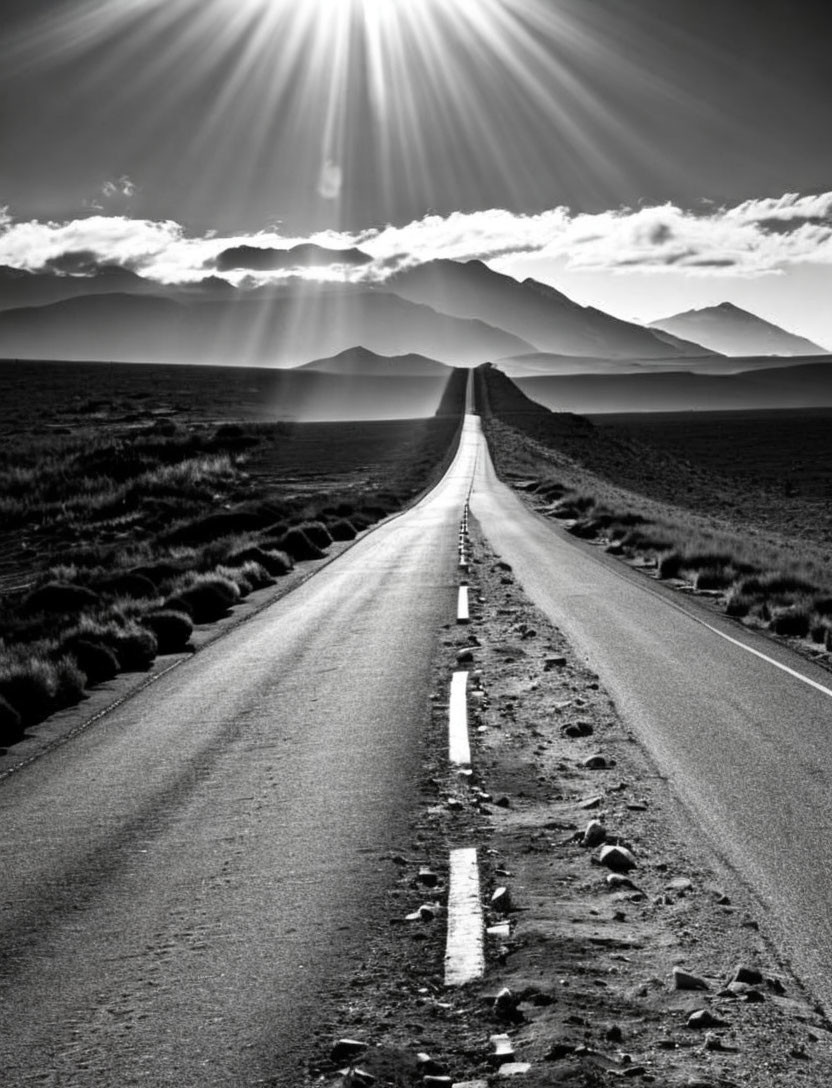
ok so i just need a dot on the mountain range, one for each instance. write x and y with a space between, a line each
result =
459 314
262 328
342 344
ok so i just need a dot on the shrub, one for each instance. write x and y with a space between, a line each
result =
276 531
237 577
373 512
822 605
714 577
794 623
11 725
777 585
162 572
342 530
670 564
207 529
574 505
206 599
317 532
827 642
648 539
30 686
135 647
361 521
274 562
739 604
171 629
818 629
70 680
298 545
128 584
256 574
585 528
549 491
95 659
61 598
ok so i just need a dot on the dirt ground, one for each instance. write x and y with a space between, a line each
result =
661 974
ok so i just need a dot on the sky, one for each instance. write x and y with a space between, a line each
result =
644 156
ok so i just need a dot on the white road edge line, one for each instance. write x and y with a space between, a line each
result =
743 645
464 952
760 654
462 613
459 747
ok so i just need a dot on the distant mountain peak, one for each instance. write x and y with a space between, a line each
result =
361 360
729 329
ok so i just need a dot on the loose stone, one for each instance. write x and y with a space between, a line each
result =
505 1005
501 900
684 980
429 1066
679 884
704 1018
347 1048
594 834
425 913
749 975
503 1050
578 729
596 762
615 880
555 662
617 858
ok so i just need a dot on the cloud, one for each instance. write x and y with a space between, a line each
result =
132 243
78 262
711 240
754 238
269 259
121 187
791 207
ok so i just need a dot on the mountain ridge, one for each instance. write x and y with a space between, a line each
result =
735 332
550 319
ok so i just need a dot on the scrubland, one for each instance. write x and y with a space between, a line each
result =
757 546
125 522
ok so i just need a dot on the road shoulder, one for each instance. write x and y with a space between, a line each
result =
659 973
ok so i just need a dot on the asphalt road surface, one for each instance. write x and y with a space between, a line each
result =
181 881
184 878
746 745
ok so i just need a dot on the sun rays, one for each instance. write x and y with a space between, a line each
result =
347 112
344 115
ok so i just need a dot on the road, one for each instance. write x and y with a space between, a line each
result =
746 745
184 878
